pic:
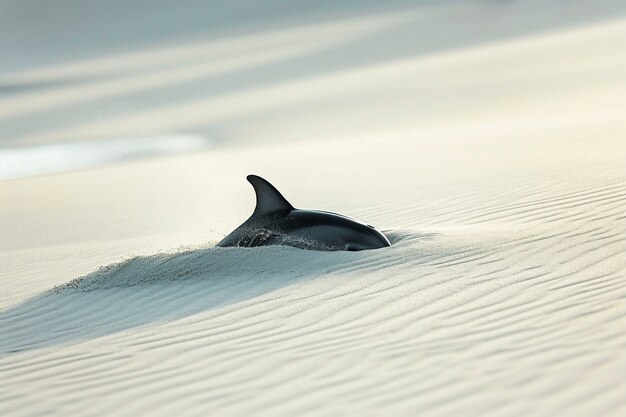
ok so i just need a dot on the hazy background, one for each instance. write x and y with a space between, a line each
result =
118 80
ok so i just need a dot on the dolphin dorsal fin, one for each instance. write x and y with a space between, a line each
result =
268 198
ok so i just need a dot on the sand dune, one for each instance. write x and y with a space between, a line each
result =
503 296
486 139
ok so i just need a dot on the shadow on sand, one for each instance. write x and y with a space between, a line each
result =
165 287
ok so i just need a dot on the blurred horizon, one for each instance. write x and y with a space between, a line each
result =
239 73
73 30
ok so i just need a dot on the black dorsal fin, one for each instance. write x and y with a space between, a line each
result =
268 198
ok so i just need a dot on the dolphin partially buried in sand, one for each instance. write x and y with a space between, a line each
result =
276 222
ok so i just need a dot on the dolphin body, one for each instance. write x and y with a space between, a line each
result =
276 222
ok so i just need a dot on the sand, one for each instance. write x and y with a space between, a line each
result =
494 162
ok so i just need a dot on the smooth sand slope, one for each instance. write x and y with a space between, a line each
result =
497 169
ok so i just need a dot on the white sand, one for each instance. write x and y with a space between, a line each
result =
496 166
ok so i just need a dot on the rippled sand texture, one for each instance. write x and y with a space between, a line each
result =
503 294
497 169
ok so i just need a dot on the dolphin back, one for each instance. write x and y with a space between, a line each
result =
276 222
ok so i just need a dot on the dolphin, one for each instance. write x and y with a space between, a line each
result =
276 222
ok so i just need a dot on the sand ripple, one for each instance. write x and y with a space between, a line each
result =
495 320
